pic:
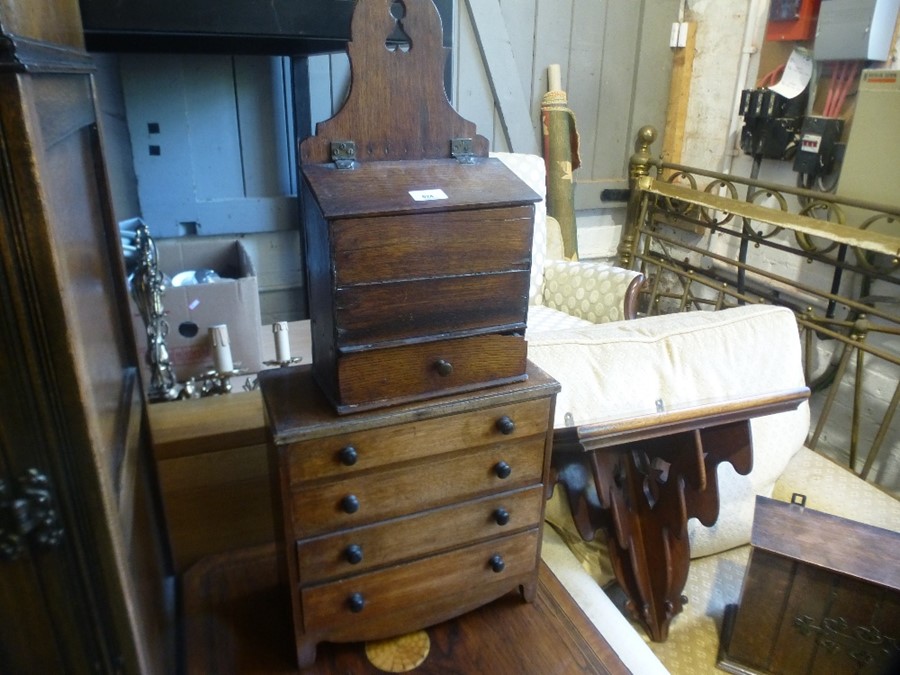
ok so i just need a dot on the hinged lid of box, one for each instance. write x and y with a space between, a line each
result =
390 188
820 539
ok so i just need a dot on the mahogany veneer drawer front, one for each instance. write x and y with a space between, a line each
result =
399 518
370 448
442 584
397 491
419 370
359 549
402 254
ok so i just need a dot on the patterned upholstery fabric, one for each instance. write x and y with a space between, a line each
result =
586 290
591 291
542 318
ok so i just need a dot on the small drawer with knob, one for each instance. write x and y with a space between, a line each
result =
371 378
359 549
364 606
346 453
402 489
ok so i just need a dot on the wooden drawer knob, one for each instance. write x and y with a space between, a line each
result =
356 603
354 554
350 504
443 368
502 470
348 455
496 563
505 425
501 516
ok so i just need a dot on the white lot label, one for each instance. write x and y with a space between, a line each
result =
428 195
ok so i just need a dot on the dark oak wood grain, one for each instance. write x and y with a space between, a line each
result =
396 107
83 558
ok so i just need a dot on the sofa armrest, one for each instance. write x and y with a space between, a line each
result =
596 292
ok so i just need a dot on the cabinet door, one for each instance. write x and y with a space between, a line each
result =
212 138
78 532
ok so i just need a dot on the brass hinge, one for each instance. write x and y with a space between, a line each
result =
461 149
27 515
343 154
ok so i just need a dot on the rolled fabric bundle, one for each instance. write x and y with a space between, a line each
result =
560 137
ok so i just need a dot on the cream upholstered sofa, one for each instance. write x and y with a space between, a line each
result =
608 367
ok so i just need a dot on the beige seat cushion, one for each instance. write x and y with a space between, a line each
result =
832 488
622 369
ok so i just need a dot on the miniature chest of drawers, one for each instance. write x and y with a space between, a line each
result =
418 277
394 520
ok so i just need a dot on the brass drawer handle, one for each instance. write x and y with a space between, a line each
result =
348 456
356 602
502 470
353 554
443 368
350 504
505 425
496 563
501 516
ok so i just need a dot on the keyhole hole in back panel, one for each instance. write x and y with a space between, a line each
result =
398 39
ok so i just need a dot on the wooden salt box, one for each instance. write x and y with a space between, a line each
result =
418 245
821 594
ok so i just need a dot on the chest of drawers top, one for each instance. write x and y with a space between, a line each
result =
296 410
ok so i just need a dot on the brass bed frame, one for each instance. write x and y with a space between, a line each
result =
706 240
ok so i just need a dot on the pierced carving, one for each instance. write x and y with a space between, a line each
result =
398 39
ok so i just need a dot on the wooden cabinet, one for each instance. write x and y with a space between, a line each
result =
821 594
396 519
82 587
418 275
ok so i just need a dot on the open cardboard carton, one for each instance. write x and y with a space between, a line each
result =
191 310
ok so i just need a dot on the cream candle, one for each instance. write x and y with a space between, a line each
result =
282 343
221 347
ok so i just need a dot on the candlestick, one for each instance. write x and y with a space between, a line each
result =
282 343
221 348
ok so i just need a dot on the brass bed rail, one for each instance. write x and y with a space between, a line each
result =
706 240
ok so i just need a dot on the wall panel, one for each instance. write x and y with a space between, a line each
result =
615 61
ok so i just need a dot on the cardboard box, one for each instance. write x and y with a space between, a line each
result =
191 310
